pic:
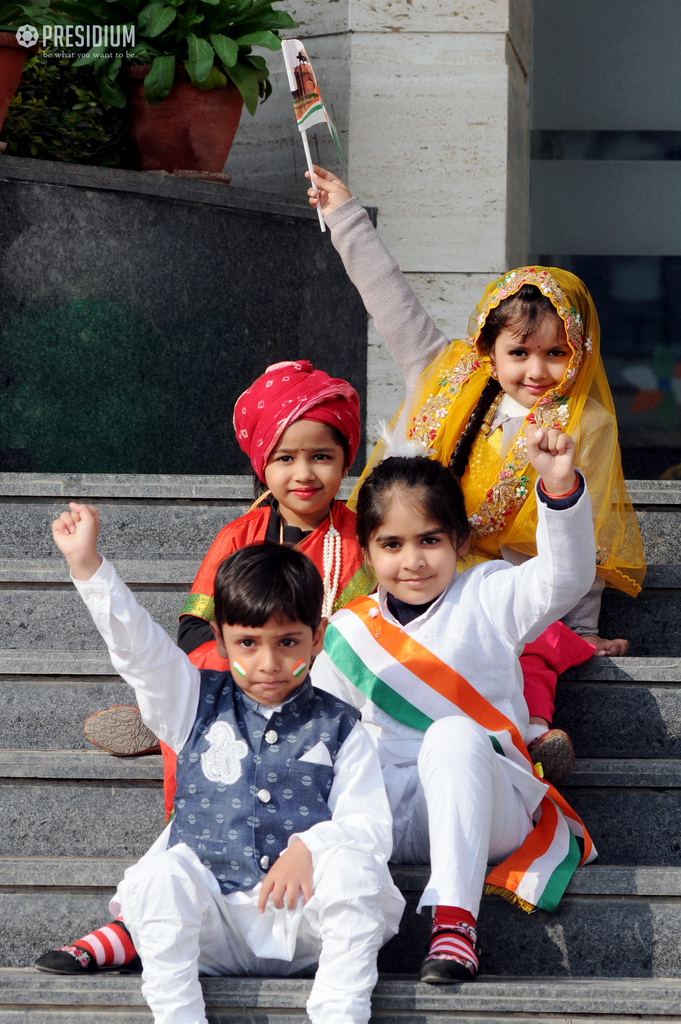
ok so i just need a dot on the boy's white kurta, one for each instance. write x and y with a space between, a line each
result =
179 919
454 800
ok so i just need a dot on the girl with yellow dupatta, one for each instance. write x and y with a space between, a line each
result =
532 359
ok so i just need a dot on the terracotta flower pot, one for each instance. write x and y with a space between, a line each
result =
189 130
12 60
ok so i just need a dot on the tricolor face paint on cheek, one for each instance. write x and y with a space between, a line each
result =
298 669
239 669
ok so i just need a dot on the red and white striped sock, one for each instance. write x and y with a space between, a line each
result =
454 937
110 946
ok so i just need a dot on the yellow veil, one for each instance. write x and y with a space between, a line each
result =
499 488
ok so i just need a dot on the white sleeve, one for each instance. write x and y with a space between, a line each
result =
412 337
164 680
358 802
523 600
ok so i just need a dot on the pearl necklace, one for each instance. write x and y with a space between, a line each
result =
331 561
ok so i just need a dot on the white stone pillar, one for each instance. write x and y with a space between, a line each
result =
431 101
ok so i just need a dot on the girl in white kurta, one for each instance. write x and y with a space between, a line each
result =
431 660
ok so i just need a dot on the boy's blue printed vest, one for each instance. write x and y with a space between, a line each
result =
241 788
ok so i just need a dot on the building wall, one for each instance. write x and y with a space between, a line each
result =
431 101
606 198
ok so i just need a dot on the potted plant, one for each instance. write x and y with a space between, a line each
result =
187 76
13 54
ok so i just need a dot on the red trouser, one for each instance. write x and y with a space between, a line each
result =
542 661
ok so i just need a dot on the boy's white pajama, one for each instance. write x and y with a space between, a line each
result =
179 919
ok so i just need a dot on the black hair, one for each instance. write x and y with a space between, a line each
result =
267 581
439 494
521 313
259 487
461 454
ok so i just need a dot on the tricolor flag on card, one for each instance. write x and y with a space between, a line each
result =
307 98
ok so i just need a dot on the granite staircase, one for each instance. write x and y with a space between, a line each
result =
73 817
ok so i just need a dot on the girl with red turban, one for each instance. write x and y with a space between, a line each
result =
300 429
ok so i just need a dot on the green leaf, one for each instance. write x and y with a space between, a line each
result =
146 13
214 80
143 53
160 20
246 81
106 72
159 81
226 49
258 62
266 39
201 57
266 20
265 89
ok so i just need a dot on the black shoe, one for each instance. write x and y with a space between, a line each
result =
74 960
446 972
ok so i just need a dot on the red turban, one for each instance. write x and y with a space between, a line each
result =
292 391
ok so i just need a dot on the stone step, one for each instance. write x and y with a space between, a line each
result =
167 487
46 713
27 995
46 617
181 568
105 872
131 570
625 670
60 662
650 622
169 518
615 714
175 533
79 764
49 901
81 803
152 487
627 719
621 720
55 617
88 804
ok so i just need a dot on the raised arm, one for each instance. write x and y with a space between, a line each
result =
165 682
412 337
523 600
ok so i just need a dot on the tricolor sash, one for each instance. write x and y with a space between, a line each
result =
413 686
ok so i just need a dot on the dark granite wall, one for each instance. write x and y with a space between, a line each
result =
134 308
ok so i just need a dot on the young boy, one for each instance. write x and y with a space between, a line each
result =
277 854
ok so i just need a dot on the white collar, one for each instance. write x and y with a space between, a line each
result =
509 407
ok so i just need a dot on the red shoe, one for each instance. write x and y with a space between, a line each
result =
553 750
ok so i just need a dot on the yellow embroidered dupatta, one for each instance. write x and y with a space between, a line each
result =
499 488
